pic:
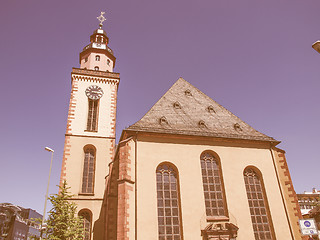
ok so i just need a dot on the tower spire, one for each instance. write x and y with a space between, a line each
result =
101 19
97 55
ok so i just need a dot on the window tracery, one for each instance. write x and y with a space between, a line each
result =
212 186
169 216
92 121
260 215
88 170
86 216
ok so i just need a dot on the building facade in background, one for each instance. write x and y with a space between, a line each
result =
18 223
308 200
188 169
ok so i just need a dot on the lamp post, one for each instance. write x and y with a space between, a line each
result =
316 46
46 198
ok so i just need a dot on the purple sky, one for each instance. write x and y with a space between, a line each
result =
253 57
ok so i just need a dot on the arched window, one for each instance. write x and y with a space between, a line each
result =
214 196
260 215
92 121
96 68
108 62
97 58
88 169
86 216
169 215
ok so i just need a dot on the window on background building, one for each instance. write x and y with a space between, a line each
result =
260 215
169 215
86 216
212 186
97 58
92 121
108 62
96 68
88 169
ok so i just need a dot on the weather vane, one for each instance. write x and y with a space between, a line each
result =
101 18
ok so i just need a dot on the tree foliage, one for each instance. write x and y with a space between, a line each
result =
63 222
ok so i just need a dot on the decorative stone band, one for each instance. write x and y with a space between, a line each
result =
94 79
95 76
95 73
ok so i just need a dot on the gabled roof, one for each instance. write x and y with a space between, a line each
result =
184 109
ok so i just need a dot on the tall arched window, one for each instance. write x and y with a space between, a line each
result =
88 169
92 122
260 215
214 196
97 58
169 216
86 216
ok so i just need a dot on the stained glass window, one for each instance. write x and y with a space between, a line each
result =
169 220
257 203
86 216
92 123
88 170
212 186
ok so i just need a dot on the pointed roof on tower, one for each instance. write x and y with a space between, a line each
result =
185 110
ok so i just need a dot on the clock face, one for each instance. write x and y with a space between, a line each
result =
94 92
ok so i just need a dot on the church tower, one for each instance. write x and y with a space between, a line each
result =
90 134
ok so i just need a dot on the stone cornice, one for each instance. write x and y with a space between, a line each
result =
87 136
96 76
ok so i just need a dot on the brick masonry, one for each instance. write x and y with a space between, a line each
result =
67 146
289 192
111 202
120 185
125 187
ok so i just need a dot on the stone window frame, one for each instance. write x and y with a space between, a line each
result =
216 208
258 204
88 171
168 202
86 214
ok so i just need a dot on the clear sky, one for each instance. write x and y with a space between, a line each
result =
253 57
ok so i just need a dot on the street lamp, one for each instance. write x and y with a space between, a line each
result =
46 198
316 46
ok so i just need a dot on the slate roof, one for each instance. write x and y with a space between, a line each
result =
184 109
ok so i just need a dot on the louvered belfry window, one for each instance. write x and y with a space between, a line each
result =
88 170
86 217
212 186
169 220
260 215
92 123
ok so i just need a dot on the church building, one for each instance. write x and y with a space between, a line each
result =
187 170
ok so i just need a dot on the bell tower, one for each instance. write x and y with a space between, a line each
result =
90 134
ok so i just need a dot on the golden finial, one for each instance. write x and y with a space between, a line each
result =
101 18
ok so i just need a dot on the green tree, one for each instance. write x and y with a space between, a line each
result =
63 222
